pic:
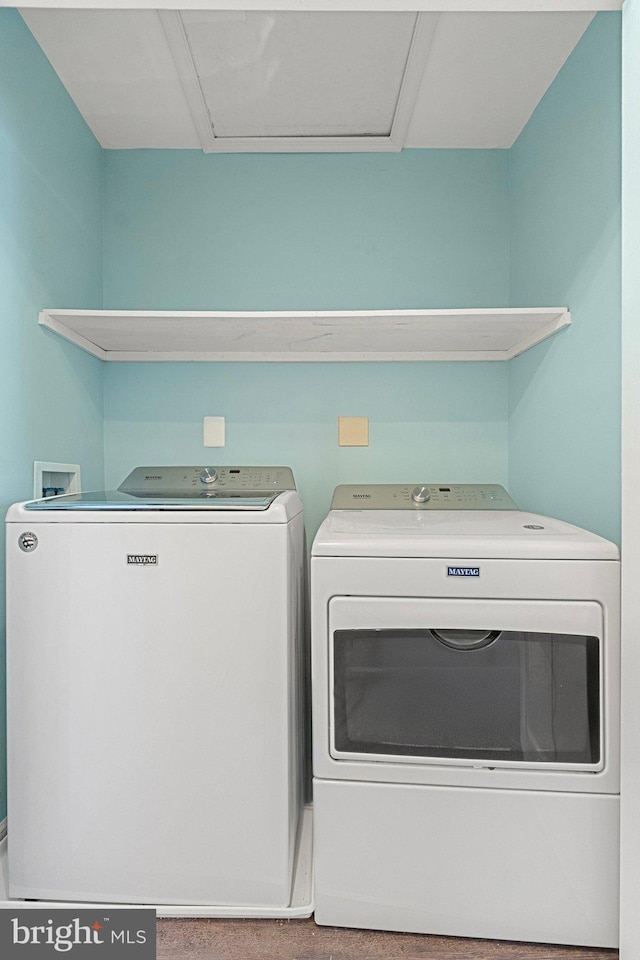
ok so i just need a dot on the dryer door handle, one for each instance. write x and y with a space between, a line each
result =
466 639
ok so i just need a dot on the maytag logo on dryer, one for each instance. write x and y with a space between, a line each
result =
463 571
143 559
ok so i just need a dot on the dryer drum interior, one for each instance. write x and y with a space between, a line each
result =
517 696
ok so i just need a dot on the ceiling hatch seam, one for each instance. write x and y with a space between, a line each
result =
419 49
176 36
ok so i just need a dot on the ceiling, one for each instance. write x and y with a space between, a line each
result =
258 80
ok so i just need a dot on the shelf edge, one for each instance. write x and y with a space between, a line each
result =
45 319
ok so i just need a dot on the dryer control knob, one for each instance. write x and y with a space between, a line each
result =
420 494
209 475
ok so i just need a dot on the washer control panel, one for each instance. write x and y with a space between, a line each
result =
422 496
192 481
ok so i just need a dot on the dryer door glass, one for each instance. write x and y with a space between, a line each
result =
501 696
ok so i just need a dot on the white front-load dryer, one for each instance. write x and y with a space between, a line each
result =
155 676
465 664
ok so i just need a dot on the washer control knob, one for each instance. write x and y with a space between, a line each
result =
420 494
209 475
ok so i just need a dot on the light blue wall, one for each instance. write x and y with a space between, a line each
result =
564 172
630 705
50 255
189 231
185 230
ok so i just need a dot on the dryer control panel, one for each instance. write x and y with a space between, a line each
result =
422 496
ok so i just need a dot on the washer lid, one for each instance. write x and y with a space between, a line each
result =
117 500
473 534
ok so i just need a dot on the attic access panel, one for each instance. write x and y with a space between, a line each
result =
299 80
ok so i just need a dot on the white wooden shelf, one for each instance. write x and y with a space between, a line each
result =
348 335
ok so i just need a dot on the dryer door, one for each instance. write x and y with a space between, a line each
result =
494 683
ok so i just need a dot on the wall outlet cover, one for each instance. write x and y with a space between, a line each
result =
353 431
213 432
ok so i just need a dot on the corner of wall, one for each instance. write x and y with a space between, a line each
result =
564 250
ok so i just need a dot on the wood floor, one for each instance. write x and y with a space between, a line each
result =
303 940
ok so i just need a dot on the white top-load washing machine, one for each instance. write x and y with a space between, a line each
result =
154 690
465 674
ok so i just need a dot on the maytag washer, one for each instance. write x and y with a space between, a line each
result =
465 660
154 692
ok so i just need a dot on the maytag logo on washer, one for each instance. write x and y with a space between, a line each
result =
143 559
463 571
